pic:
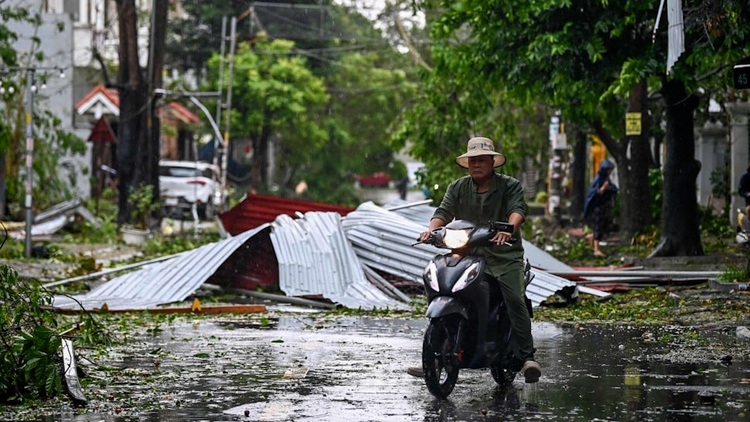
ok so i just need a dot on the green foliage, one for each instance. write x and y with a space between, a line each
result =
714 224
29 363
581 60
655 189
735 274
644 306
12 249
169 245
142 205
276 94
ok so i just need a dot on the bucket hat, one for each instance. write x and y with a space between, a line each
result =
480 146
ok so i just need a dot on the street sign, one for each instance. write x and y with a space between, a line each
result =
632 124
741 76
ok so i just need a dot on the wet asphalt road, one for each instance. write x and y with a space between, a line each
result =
305 367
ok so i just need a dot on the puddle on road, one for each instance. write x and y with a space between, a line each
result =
353 369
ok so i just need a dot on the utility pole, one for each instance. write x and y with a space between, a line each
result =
30 88
228 114
559 145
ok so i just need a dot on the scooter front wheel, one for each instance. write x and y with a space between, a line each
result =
439 362
503 377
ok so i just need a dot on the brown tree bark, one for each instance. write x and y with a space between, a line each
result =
578 175
138 135
633 159
680 223
636 209
259 166
129 85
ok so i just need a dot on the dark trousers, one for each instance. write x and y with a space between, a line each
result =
513 286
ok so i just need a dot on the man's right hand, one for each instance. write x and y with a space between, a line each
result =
425 236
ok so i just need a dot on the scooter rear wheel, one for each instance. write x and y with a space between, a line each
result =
438 361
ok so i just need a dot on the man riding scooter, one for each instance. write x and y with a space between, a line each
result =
483 196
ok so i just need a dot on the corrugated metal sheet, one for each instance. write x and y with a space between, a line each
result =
384 240
675 32
319 253
259 209
161 283
253 266
315 258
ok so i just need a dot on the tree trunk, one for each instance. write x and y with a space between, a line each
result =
128 84
157 47
635 211
680 224
138 132
259 169
580 164
632 157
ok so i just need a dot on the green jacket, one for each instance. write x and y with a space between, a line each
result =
505 196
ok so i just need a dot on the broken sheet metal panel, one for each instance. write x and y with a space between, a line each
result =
417 212
383 240
675 33
160 283
545 285
315 258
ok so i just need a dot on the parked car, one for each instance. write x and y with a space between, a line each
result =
376 180
183 183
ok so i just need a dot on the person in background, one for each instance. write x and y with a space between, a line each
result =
743 215
483 196
598 209
744 189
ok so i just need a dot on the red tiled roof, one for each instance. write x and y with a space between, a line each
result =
179 111
111 94
182 113
258 209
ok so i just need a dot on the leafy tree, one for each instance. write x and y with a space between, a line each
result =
29 362
367 96
456 104
275 96
593 60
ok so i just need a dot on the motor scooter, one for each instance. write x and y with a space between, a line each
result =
469 325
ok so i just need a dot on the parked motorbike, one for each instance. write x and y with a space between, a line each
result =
469 326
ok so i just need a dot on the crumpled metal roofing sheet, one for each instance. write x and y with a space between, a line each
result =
315 258
383 239
255 210
160 283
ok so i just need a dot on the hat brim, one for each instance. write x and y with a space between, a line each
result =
463 160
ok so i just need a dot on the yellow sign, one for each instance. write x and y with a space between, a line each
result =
632 124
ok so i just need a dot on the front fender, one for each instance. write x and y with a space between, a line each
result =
444 305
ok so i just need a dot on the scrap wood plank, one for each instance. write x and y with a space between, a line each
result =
218 309
71 372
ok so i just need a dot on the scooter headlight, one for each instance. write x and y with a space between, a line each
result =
467 277
430 273
456 239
